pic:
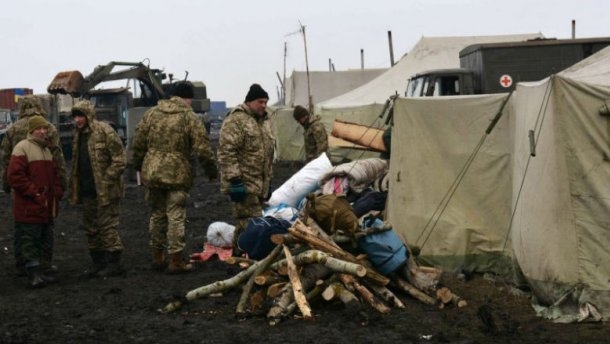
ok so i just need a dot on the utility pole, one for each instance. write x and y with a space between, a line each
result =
310 102
284 80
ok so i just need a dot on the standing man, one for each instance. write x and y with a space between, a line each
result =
35 182
164 140
98 161
30 106
245 157
316 139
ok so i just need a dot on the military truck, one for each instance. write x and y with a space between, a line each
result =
6 119
497 67
122 106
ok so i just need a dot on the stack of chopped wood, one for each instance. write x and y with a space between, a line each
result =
308 264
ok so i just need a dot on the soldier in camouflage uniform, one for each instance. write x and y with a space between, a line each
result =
98 162
30 106
316 139
164 140
245 156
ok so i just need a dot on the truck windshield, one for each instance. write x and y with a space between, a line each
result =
414 88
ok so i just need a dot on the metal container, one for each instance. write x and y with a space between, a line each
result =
9 97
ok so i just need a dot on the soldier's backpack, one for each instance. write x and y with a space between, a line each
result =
385 250
333 213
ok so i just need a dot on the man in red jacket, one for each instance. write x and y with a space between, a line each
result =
36 184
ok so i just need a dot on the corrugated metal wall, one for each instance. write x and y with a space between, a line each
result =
9 97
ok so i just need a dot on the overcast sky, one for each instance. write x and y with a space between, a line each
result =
231 44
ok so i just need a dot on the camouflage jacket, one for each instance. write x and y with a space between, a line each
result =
245 150
107 155
316 139
19 131
165 139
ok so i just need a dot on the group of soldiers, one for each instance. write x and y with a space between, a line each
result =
169 134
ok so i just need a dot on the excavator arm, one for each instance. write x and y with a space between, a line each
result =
73 82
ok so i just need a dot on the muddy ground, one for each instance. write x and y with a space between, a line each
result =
124 309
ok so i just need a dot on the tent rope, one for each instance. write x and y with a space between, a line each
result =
442 206
542 111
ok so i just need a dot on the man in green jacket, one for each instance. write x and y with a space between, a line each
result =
98 162
316 139
245 157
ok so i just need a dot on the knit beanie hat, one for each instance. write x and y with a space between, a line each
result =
184 89
256 92
299 112
36 122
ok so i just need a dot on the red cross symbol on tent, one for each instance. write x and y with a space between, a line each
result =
506 81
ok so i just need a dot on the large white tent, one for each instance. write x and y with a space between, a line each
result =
428 53
536 191
324 85
364 105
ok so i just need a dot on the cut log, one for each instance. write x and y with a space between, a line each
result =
337 290
297 287
299 230
414 292
320 257
365 293
310 275
267 279
264 264
445 295
385 294
212 288
276 289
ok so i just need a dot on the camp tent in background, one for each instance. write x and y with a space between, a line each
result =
456 225
561 227
536 192
365 104
324 85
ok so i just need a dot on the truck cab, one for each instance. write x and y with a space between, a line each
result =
441 82
6 119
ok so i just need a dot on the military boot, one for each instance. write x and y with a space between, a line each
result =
113 265
159 263
177 264
35 279
98 259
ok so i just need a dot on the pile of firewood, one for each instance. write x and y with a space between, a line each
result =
308 264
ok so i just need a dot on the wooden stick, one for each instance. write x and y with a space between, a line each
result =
243 300
337 290
320 257
365 293
299 230
317 289
411 290
385 294
212 288
297 287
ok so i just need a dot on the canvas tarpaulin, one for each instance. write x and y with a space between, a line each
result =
432 141
561 227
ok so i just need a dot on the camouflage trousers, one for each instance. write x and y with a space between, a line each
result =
101 224
251 206
33 244
167 219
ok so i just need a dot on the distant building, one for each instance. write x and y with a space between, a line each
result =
218 110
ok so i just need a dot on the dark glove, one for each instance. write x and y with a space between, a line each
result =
237 190
6 187
370 201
